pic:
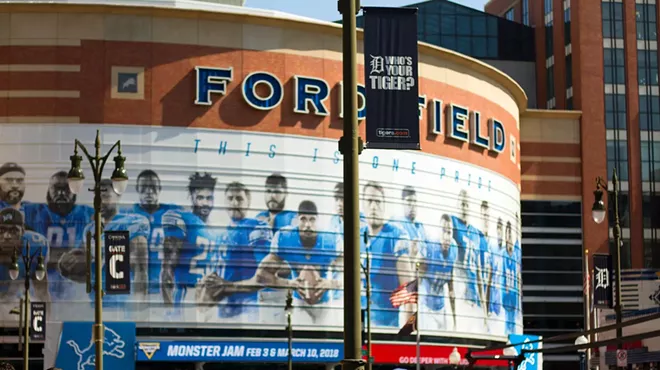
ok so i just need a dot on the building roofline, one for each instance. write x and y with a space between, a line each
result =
237 14
551 113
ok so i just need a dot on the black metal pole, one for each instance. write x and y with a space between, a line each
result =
349 146
27 262
617 250
290 334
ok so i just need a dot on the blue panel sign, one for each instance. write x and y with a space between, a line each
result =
533 361
76 349
239 351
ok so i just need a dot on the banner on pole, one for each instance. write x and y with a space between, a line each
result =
37 321
602 281
391 78
117 263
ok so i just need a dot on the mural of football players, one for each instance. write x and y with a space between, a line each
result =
468 239
148 187
437 271
275 196
188 245
491 269
14 237
308 254
413 228
337 228
235 259
12 186
511 273
62 222
390 250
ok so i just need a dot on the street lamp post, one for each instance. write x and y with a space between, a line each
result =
40 273
454 358
366 268
578 342
599 212
289 328
119 183
350 146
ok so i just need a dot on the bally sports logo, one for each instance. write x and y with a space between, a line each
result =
149 349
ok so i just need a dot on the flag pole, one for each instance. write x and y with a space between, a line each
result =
417 315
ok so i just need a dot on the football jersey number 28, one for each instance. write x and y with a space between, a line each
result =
56 236
198 264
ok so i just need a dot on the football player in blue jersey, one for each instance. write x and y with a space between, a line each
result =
511 285
337 228
138 228
307 253
491 263
14 238
188 246
275 196
148 187
62 222
437 271
391 263
276 192
414 228
12 186
469 242
234 262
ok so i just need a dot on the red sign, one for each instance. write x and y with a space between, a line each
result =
402 354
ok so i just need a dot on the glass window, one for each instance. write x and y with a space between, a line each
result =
555 264
547 6
551 207
623 200
615 75
569 103
509 14
550 82
479 26
625 253
621 169
525 12
544 250
548 40
479 46
651 254
463 45
463 25
615 121
613 57
651 211
569 70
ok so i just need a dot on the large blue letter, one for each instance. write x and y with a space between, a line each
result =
250 86
458 121
475 131
437 117
211 80
497 137
309 89
421 103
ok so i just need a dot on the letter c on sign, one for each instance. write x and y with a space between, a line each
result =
36 324
113 266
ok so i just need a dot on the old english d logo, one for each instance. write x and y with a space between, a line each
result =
149 349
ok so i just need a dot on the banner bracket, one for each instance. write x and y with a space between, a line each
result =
343 143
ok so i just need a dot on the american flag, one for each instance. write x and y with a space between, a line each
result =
406 293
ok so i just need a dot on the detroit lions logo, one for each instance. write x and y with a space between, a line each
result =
112 346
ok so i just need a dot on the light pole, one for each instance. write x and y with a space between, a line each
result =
454 358
578 342
599 212
40 273
350 146
367 268
119 183
288 308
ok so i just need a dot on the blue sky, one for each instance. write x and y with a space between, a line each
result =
327 9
